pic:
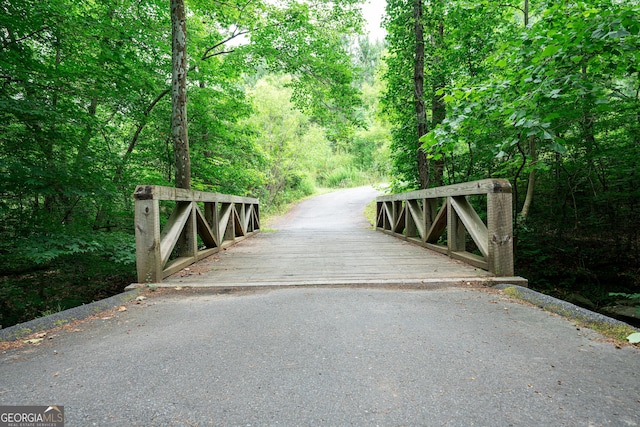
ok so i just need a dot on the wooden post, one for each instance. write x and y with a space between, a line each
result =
187 245
191 231
397 226
242 215
211 215
388 218
256 218
430 208
411 229
147 225
230 230
455 230
500 233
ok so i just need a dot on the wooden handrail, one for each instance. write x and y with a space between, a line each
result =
422 216
225 221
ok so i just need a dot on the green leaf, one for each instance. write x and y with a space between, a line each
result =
634 338
557 147
550 51
428 140
622 294
590 12
618 34
554 93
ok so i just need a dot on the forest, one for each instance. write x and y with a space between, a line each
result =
284 98
545 94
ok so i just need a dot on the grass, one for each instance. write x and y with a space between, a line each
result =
617 332
57 309
370 213
345 176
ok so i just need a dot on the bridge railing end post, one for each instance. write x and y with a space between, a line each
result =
500 234
147 230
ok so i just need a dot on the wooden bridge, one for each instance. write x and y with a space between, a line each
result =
327 240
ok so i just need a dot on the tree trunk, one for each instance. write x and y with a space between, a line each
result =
438 107
185 245
531 182
418 82
138 131
179 95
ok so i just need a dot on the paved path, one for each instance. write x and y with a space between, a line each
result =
327 240
327 356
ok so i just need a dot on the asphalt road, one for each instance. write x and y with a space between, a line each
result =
327 356
332 357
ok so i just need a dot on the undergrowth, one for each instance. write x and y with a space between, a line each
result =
70 281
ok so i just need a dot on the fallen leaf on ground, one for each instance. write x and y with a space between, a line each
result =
634 338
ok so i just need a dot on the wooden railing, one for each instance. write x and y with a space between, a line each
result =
423 216
224 221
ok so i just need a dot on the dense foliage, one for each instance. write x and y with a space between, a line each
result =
274 105
546 94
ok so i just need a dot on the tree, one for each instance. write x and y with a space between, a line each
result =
303 40
295 149
418 84
366 57
547 95
399 97
306 41
552 85
179 94
419 45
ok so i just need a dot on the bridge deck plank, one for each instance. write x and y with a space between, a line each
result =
327 241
